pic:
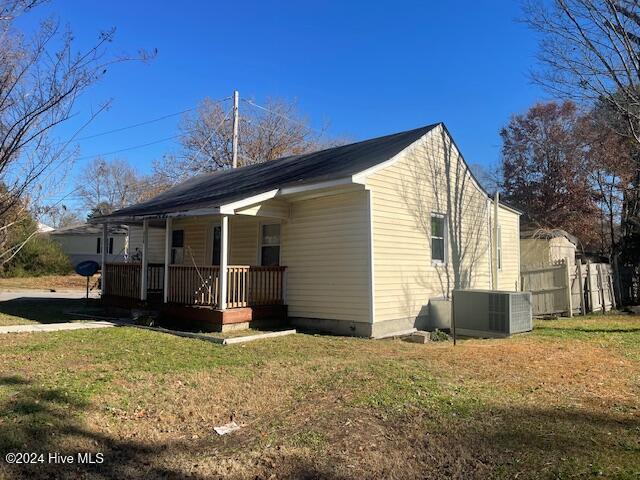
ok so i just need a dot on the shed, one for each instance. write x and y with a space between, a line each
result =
547 246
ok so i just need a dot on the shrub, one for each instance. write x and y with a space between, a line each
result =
39 256
439 336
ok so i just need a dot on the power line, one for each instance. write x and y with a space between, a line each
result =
281 116
135 125
147 122
134 147
215 130
154 142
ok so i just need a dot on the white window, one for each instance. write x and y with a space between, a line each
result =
270 245
438 238
499 248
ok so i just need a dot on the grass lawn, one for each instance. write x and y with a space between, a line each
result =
26 311
561 402
48 282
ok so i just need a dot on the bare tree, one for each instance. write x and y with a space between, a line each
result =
41 78
611 162
105 186
60 216
266 133
590 50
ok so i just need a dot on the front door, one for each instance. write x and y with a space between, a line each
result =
215 260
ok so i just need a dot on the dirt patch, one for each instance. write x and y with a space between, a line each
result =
48 282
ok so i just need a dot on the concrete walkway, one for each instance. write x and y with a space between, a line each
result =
54 327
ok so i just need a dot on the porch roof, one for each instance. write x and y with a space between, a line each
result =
213 190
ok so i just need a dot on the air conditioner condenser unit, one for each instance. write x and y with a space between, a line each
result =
491 313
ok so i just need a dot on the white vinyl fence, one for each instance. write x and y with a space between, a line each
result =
562 289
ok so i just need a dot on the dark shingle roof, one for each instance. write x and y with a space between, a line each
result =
88 229
222 187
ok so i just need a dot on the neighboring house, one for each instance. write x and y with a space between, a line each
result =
545 247
353 240
44 228
85 242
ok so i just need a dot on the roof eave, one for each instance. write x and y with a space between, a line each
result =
232 207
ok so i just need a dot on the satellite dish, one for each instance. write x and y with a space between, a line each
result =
87 268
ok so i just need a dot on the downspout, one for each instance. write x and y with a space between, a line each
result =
496 204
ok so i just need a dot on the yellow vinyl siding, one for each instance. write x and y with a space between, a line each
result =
428 177
198 239
197 236
156 243
324 246
243 236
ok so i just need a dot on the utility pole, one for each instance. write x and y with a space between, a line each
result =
234 142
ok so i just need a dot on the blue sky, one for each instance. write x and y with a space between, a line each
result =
367 68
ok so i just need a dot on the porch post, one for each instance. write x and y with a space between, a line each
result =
167 256
224 237
145 260
103 257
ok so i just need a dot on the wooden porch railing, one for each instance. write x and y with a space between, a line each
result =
246 285
122 279
189 285
265 285
155 278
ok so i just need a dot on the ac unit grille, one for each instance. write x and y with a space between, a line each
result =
491 313
521 320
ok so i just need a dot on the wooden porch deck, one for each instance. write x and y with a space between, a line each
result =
192 293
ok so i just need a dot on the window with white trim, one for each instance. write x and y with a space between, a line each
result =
270 245
438 238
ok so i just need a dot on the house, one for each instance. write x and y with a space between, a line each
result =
85 242
351 240
43 227
547 246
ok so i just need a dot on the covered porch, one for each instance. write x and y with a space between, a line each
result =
211 270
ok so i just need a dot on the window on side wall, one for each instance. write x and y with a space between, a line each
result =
177 247
438 238
98 245
270 245
110 246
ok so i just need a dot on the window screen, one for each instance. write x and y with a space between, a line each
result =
270 245
438 248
